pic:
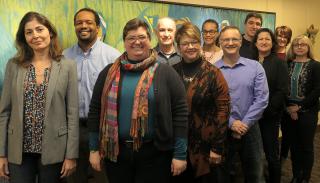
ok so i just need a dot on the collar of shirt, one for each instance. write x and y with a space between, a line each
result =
157 48
81 52
220 63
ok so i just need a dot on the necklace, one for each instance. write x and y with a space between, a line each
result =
188 79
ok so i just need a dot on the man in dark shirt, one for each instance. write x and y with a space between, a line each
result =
252 23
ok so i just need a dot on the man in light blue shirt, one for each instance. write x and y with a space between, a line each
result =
249 97
91 56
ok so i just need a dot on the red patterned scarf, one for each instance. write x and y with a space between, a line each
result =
109 141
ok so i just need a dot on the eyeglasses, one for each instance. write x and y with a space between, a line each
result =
210 32
227 40
133 39
301 45
186 44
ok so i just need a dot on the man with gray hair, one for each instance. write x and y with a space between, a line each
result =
165 31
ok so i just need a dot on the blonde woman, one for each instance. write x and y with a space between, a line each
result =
302 106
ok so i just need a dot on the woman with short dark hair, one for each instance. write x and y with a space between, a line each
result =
138 114
265 44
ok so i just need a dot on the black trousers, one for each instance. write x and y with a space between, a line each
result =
83 169
269 128
285 139
218 174
302 132
148 165
32 169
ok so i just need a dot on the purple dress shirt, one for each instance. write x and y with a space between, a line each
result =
248 89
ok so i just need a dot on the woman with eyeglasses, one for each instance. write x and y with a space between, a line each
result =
210 33
138 114
209 105
264 46
283 35
302 106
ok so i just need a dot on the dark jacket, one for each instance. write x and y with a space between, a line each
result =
171 110
311 88
209 108
277 76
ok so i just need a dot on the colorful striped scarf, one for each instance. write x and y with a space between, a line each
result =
109 140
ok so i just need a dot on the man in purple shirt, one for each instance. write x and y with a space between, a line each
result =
249 97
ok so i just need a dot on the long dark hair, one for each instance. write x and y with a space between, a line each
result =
255 38
25 52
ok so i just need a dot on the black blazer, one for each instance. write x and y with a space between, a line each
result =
277 76
312 87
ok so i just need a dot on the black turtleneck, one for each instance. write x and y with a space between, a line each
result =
190 69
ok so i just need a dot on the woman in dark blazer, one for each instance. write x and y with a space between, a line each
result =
302 106
38 108
264 44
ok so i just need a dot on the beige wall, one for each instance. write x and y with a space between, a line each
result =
298 14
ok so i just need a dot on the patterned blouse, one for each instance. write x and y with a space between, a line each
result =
34 110
209 108
298 75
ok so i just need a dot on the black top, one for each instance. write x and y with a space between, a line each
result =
189 71
171 112
246 50
277 77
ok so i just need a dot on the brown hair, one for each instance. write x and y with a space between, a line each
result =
284 31
255 39
24 51
134 24
253 14
190 30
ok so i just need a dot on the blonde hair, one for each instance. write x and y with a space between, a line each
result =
291 55
190 30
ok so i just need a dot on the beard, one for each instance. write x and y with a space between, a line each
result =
87 40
